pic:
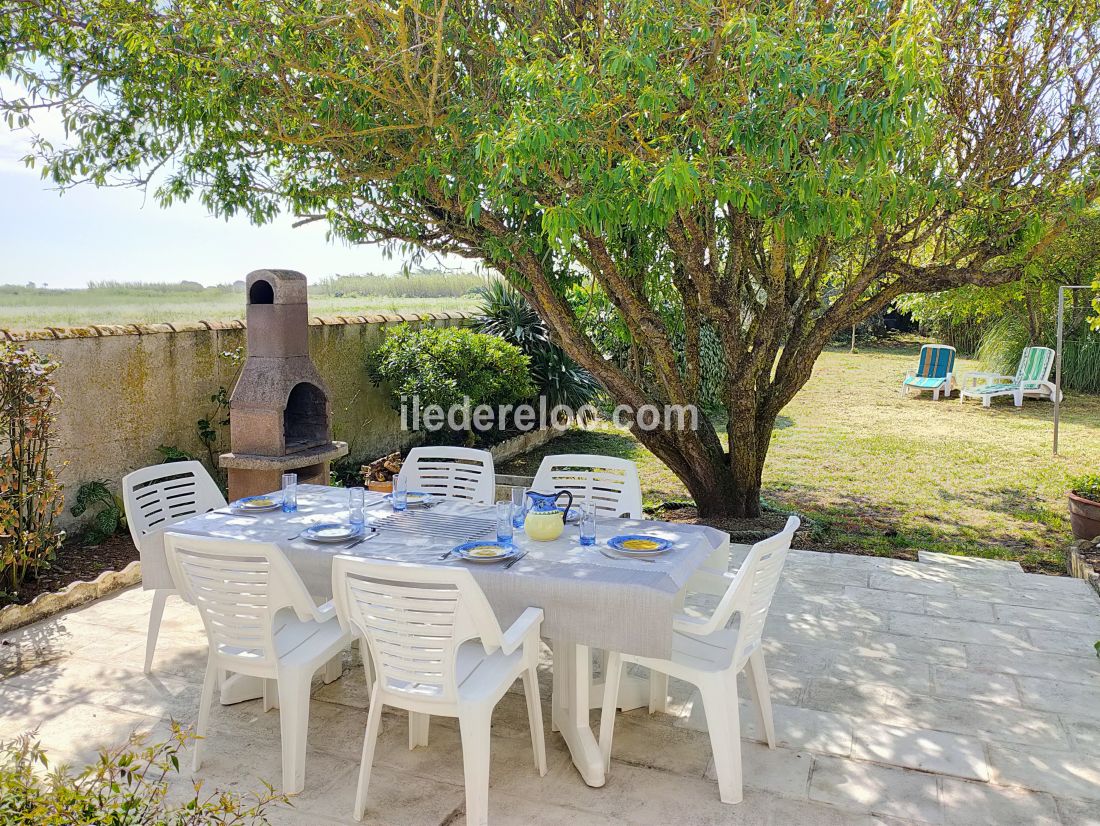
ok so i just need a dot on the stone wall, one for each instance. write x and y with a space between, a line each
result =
125 390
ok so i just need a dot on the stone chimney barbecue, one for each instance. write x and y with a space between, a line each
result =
280 416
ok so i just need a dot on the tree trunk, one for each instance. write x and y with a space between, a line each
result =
722 484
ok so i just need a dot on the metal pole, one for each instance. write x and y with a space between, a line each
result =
1058 364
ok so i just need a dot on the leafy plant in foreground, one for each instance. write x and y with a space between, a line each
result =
108 519
30 496
126 786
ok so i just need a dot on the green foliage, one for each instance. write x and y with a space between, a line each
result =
773 172
126 786
30 496
108 520
1086 486
446 365
1004 341
1003 320
505 313
171 453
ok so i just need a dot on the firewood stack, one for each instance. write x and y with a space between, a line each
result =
382 470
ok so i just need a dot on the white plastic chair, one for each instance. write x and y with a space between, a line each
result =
452 472
709 653
437 648
155 498
607 482
240 588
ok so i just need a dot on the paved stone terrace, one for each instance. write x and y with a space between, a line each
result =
949 690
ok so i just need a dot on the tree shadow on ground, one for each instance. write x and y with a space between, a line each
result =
1080 412
862 526
1012 502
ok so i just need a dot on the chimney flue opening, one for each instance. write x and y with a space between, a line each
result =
261 292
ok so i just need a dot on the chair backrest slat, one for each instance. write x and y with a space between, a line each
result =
414 619
609 483
238 588
156 497
452 472
1035 365
936 361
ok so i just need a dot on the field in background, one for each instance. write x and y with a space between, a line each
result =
875 473
23 308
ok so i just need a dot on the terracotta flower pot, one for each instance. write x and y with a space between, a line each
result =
1084 517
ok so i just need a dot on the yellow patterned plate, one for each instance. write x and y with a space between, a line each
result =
484 551
639 544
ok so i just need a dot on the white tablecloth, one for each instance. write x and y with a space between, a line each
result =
618 604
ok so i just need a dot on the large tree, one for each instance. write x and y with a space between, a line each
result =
767 173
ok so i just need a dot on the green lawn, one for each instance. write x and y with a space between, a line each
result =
879 474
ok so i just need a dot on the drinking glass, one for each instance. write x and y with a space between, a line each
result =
357 498
519 506
290 492
505 525
588 524
400 492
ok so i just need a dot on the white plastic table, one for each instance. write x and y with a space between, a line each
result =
589 600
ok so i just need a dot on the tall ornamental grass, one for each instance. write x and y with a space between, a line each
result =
30 496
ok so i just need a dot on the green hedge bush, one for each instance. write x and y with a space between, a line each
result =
444 365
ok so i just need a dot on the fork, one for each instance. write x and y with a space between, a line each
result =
514 560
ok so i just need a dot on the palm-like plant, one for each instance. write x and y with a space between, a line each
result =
506 313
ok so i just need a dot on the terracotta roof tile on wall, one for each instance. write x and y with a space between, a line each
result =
100 330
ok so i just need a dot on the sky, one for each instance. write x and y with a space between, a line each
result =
88 234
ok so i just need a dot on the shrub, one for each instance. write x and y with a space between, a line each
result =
505 313
110 516
30 497
1087 486
444 365
127 785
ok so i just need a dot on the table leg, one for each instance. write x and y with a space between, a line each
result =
570 706
634 692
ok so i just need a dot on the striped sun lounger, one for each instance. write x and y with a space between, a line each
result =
935 371
1032 379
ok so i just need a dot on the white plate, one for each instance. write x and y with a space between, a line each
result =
332 532
257 504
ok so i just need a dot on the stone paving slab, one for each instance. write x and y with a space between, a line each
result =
945 690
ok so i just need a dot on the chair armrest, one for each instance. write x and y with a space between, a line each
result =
326 612
526 626
696 626
709 581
